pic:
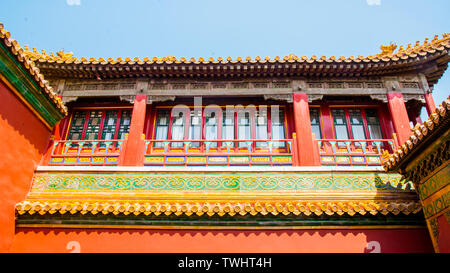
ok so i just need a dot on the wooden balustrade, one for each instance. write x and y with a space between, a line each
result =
248 152
85 152
354 152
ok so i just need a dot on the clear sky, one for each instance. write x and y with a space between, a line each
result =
212 28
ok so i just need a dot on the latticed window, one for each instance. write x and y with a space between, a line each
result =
261 129
340 124
356 123
99 124
162 126
373 124
221 124
278 125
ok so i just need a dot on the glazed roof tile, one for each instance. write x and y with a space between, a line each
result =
430 58
168 207
23 58
386 55
420 133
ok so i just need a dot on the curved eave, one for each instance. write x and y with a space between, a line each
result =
421 137
432 65
27 81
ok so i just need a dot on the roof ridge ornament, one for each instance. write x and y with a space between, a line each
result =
385 50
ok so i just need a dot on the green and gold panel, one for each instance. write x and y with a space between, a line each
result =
217 159
239 159
154 159
381 182
282 159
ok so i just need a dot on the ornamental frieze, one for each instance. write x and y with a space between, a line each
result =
381 182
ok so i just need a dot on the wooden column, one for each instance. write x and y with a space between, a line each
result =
306 149
429 103
133 150
399 116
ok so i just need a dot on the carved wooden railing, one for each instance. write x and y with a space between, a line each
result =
351 152
85 152
251 152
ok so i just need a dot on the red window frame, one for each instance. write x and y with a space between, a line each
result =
348 121
102 121
220 123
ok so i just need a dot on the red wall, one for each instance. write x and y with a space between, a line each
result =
220 241
23 138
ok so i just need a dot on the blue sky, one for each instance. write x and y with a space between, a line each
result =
201 28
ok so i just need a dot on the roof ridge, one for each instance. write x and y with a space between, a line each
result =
387 52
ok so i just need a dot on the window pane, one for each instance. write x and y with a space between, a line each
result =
227 126
109 126
261 126
211 128
178 129
195 127
356 121
162 127
124 126
93 126
340 123
358 132
315 123
277 122
244 128
341 132
76 129
374 124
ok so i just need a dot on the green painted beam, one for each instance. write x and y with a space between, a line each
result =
26 85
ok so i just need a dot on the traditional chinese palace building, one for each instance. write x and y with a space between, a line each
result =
213 155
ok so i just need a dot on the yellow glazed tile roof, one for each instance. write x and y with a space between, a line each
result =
220 208
387 54
22 56
419 133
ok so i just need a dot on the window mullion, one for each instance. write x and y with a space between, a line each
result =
116 131
349 124
100 128
86 121
365 124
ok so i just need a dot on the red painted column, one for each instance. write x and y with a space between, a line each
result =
399 116
306 149
133 150
429 103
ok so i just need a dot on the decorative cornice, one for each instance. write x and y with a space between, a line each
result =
151 99
220 208
278 97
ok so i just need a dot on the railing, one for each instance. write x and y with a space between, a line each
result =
219 152
85 152
351 152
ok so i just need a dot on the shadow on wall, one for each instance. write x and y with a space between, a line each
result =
217 241
388 240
